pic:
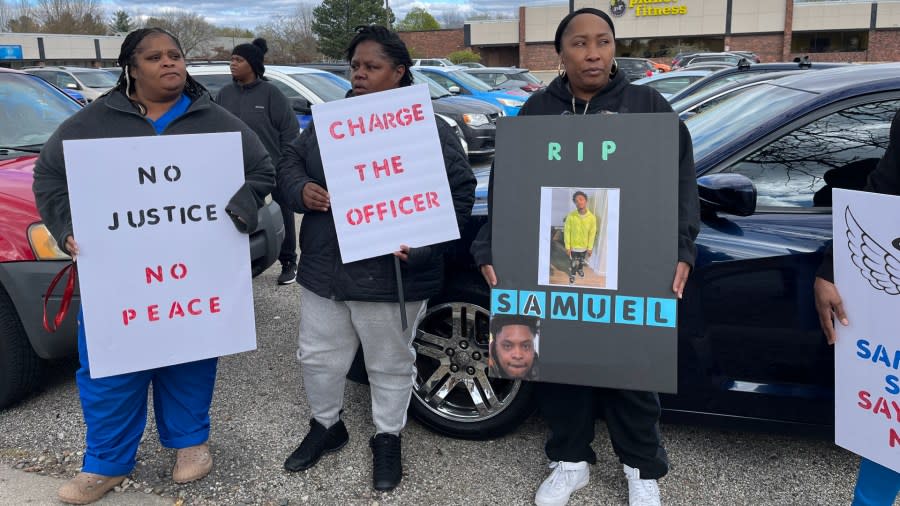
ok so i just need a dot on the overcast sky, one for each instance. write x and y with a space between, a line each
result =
250 14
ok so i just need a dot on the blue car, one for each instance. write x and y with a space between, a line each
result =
751 352
459 82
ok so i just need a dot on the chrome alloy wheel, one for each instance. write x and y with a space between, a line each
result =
452 361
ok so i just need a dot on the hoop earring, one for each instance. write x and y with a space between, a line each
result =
615 68
560 71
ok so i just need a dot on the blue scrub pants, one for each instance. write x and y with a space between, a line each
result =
876 485
115 409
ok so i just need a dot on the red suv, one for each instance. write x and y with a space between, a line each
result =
30 111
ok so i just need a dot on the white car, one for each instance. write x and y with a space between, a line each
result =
302 86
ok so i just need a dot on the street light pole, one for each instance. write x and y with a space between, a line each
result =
387 14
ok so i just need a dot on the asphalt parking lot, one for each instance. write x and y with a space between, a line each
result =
259 415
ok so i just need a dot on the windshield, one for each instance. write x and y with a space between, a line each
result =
30 110
527 77
468 81
629 64
435 89
753 105
96 79
672 85
322 85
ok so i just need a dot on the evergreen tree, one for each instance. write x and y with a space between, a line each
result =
418 19
121 22
335 20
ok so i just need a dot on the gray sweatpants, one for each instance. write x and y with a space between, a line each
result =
330 333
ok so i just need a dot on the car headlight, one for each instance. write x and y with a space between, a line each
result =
475 120
510 103
43 244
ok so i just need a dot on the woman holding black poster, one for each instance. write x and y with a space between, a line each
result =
589 83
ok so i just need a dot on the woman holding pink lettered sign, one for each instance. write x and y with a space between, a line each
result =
392 182
154 101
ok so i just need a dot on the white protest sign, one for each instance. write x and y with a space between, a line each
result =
385 172
164 274
867 352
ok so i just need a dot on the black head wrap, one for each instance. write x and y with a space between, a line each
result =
557 40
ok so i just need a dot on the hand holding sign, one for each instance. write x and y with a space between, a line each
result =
315 197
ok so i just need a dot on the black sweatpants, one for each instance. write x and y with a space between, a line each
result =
288 253
632 419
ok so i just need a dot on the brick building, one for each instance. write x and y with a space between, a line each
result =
777 30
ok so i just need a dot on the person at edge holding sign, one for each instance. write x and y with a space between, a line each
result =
153 96
590 84
267 111
345 306
876 485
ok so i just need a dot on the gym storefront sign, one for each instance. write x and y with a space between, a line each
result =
647 8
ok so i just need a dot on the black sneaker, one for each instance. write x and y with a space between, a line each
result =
386 468
288 273
318 442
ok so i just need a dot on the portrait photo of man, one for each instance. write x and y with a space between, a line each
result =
514 347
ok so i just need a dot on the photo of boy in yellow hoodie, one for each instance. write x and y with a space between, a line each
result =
579 234
579 247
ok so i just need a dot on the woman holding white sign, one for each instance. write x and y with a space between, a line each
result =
154 96
348 305
876 484
590 83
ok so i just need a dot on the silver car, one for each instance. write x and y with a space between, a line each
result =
91 83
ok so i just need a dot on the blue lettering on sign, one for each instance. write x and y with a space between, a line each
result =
596 308
10 52
532 303
504 301
630 310
661 312
564 305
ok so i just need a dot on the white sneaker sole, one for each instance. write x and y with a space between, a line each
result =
562 501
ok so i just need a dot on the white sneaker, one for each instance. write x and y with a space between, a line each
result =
567 477
641 492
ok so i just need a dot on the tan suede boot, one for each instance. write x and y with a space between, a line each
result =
192 463
86 488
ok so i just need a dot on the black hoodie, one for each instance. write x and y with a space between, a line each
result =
618 96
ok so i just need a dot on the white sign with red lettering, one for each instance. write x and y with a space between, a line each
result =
164 274
867 352
385 172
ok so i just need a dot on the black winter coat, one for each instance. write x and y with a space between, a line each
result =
620 97
320 268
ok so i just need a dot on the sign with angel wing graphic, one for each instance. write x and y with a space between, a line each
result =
867 352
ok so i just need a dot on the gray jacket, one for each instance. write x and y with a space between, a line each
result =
266 110
113 115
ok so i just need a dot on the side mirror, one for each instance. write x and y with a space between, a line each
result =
300 105
727 193
454 89
71 86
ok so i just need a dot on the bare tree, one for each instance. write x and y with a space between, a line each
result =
452 19
21 18
70 16
290 38
192 29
